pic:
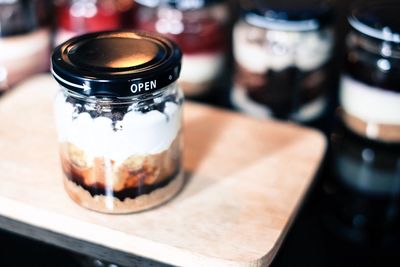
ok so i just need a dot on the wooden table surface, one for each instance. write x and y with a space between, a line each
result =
245 179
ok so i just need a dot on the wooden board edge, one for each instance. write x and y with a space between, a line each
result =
122 242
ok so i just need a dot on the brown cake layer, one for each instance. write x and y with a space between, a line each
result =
134 177
110 204
286 90
383 132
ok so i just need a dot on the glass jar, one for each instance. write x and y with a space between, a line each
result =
24 42
370 86
283 54
119 115
200 28
75 17
364 190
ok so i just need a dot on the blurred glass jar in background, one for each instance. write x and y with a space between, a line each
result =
365 191
200 27
75 17
24 41
283 53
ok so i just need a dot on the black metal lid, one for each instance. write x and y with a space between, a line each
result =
116 63
289 15
379 19
180 4
17 17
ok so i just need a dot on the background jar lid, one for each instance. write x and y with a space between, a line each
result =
192 4
180 4
378 19
289 15
116 63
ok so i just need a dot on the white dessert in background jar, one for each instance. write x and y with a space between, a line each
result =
201 71
200 28
283 64
259 50
119 130
370 111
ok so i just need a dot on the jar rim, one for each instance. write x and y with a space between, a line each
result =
376 19
306 15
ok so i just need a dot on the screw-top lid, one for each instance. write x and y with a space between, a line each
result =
378 19
116 63
289 15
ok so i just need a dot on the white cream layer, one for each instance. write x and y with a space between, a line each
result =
138 134
370 104
259 50
202 68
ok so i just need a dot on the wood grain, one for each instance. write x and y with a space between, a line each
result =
245 181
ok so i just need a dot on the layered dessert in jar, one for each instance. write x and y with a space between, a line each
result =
201 30
75 17
365 158
119 115
370 86
283 55
24 42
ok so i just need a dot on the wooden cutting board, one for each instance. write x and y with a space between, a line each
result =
245 181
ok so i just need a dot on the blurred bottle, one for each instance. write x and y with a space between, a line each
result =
284 59
201 28
364 192
76 17
24 41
